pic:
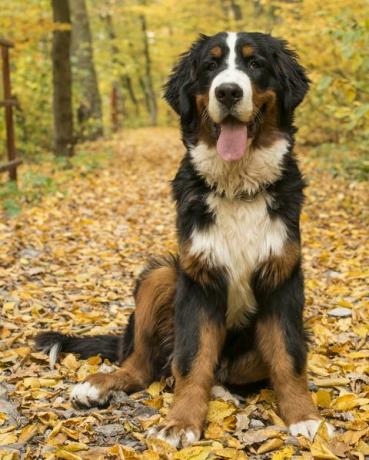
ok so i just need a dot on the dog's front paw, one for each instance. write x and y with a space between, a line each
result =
90 393
176 433
309 428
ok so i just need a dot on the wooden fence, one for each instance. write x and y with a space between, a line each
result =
8 103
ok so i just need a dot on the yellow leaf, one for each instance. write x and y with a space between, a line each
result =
155 403
228 452
323 398
7 438
8 307
214 431
70 362
284 454
321 451
363 448
155 389
27 433
61 453
160 446
94 360
332 382
75 446
149 421
271 444
150 455
3 418
345 402
9 454
194 453
219 410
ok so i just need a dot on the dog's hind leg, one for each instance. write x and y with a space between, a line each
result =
152 331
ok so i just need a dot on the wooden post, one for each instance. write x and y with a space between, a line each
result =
10 136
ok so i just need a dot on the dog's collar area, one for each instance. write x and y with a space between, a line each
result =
245 196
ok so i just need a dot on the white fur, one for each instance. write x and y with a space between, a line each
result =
175 437
87 395
243 109
256 168
242 236
309 428
53 354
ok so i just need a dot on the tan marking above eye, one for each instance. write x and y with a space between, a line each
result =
247 51
216 51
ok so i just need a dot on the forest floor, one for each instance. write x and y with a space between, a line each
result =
68 262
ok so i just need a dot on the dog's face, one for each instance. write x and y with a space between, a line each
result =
236 89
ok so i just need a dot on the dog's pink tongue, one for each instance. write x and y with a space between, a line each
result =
232 142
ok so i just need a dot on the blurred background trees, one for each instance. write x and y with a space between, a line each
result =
122 52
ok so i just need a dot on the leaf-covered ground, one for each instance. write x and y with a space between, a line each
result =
68 263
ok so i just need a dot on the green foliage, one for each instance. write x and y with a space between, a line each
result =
331 37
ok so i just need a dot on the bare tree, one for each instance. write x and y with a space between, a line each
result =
84 73
62 81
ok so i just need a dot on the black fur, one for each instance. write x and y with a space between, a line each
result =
107 346
195 304
280 72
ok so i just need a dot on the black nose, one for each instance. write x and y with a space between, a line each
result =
228 94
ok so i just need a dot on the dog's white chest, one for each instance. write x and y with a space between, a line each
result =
242 236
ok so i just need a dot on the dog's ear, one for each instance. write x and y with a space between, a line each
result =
291 74
179 89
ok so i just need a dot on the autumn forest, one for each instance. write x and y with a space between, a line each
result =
95 149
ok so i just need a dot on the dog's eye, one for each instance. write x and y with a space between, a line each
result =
253 64
211 66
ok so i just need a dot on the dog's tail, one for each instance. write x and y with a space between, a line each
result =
53 343
113 347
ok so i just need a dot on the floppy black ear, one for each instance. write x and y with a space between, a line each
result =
292 75
178 91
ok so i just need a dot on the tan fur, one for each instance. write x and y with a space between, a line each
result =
195 266
247 51
205 127
248 368
154 302
153 323
269 131
279 267
192 391
216 52
294 400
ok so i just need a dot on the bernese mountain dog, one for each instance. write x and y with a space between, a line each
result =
229 307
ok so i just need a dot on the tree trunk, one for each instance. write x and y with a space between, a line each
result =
145 93
84 73
127 82
232 10
148 77
62 81
236 10
115 104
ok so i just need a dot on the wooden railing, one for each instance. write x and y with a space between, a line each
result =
8 103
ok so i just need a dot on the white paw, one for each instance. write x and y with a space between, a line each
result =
87 395
309 428
219 392
175 437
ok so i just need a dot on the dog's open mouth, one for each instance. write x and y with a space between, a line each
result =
233 136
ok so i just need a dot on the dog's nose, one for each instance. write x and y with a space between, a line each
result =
228 94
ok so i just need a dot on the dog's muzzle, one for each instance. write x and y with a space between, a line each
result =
228 94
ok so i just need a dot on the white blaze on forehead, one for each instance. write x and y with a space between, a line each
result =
231 74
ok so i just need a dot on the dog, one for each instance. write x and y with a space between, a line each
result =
229 307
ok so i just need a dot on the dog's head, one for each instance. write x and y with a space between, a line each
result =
236 89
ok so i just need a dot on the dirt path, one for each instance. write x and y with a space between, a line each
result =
69 264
